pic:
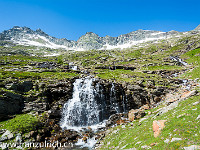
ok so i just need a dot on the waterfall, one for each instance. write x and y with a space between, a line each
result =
82 109
91 104
114 105
124 102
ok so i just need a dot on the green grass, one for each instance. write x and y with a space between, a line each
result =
192 74
192 57
121 75
21 123
20 58
36 75
184 127
135 54
192 53
164 67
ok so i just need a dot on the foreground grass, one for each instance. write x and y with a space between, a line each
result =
21 123
181 123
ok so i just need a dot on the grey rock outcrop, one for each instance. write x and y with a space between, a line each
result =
21 87
10 104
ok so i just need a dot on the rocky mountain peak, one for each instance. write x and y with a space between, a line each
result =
40 32
18 29
90 33
89 36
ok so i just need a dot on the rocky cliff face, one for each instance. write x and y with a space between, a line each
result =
26 36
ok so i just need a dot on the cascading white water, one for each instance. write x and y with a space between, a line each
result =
114 105
82 109
91 105
179 60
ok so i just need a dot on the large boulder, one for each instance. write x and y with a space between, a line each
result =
158 125
135 114
10 104
116 119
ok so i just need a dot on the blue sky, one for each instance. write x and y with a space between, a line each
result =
72 18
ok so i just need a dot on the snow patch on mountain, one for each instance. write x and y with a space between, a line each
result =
131 43
33 40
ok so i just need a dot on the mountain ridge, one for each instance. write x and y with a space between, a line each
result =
88 41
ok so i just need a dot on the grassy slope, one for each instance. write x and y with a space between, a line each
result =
181 122
21 123
184 127
193 57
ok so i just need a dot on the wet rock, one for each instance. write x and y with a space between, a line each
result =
158 126
84 138
55 114
72 136
120 122
135 114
